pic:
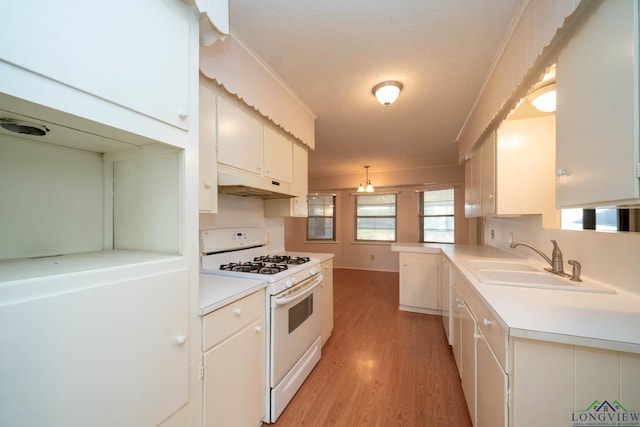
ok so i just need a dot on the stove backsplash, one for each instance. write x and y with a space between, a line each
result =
234 211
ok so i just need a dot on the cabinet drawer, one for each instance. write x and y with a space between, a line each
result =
493 332
231 318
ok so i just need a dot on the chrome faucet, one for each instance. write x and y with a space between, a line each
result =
556 262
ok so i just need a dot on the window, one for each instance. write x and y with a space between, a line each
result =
376 217
321 219
437 216
602 219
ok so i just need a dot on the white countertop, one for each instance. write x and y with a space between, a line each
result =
608 321
217 291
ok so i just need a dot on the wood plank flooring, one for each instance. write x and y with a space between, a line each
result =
381 366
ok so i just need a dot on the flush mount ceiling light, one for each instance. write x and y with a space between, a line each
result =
543 94
544 98
387 92
365 186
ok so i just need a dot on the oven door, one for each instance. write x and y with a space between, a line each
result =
295 325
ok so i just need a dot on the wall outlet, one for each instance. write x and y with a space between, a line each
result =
493 234
511 237
373 257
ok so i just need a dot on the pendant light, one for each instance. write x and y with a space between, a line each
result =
365 186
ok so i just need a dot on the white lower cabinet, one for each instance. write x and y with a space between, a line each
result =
95 351
446 298
566 380
492 381
468 359
477 338
420 282
522 382
326 296
234 368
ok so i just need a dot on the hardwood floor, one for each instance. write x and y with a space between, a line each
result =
381 366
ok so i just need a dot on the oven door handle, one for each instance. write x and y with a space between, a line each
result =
307 290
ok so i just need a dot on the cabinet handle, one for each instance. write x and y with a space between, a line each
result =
258 329
181 340
182 114
477 336
207 185
237 311
563 172
487 322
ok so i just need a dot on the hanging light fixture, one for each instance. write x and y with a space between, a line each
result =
365 186
387 92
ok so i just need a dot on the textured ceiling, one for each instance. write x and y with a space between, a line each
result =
331 53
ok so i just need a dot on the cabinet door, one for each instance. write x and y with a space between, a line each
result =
419 284
239 137
468 358
525 166
492 389
132 54
445 297
208 188
597 110
473 185
278 156
326 294
300 180
234 379
456 334
108 355
488 175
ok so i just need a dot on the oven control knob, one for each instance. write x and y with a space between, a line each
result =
313 271
290 282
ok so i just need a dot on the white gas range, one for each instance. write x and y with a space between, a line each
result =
292 304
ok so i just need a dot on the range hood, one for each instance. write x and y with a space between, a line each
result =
246 184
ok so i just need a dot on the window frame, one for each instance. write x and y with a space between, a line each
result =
333 217
356 216
422 216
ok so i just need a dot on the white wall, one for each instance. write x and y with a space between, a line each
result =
608 257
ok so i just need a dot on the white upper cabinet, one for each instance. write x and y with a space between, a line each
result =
239 137
278 155
597 110
208 188
298 205
255 158
126 64
512 171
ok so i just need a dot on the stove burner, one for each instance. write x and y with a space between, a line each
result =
272 269
254 267
282 259
298 260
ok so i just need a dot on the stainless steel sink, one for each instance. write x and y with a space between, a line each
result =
523 274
